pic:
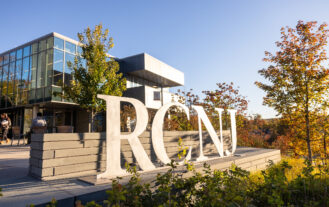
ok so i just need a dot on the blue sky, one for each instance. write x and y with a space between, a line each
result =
210 41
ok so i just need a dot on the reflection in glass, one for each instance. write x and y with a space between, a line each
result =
33 73
69 59
58 43
69 47
49 63
19 54
26 51
47 93
4 85
35 48
31 96
42 45
6 59
25 80
11 78
79 50
50 42
17 81
56 89
12 56
39 94
58 67
41 71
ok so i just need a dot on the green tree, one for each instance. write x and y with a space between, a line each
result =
297 81
94 72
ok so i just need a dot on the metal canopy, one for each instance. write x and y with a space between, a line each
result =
152 69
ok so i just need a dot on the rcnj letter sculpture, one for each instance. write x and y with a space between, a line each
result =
114 137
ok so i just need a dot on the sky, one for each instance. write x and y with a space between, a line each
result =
211 41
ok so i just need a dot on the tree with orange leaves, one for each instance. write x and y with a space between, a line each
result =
226 96
298 78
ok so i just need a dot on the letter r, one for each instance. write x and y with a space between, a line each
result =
113 136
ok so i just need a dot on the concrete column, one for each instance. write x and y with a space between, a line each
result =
35 110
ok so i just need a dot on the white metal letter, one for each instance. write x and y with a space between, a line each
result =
157 132
233 132
113 136
218 144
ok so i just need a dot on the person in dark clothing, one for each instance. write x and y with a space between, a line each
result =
5 125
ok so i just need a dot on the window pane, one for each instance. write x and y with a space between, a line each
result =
25 80
33 73
32 96
69 47
4 85
58 67
41 71
17 81
58 90
156 95
35 48
11 85
39 93
19 54
18 72
6 59
47 93
49 64
25 74
42 45
69 59
58 43
24 97
50 42
26 51
79 50
1 60
12 56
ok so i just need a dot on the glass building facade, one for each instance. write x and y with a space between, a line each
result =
32 73
29 76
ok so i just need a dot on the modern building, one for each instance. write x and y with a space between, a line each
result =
32 72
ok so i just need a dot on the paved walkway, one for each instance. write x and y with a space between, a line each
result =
20 190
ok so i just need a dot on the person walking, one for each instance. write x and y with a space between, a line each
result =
5 126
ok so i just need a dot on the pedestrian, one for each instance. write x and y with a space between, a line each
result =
39 121
5 126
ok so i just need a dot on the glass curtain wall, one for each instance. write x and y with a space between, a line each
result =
32 73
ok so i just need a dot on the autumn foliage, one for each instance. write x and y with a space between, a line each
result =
298 78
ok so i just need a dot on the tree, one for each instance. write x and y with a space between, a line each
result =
227 96
99 74
297 77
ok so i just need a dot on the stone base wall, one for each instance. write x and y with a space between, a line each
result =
65 155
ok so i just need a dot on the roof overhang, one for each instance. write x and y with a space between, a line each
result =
147 67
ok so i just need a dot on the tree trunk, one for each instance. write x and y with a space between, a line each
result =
324 142
307 119
91 121
308 139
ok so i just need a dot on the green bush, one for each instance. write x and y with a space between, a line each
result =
289 183
233 187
